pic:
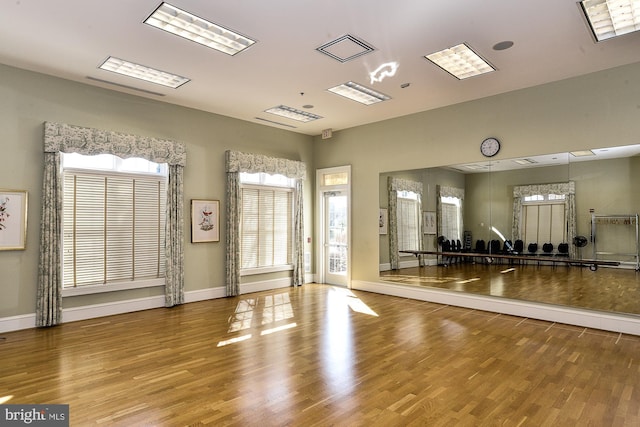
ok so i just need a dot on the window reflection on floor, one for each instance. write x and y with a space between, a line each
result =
275 308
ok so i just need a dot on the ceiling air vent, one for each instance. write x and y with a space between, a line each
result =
345 48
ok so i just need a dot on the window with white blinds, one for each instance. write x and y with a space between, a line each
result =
113 227
451 218
408 217
266 226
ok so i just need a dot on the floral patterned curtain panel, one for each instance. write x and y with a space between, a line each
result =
395 185
75 139
237 162
566 188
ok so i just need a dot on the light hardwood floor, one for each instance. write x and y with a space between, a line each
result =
607 289
324 356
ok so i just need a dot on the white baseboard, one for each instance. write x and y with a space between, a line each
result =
266 285
16 323
615 322
204 294
28 321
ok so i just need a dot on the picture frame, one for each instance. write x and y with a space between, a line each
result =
429 222
383 221
13 219
205 221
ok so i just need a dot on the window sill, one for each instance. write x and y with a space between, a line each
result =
112 287
264 270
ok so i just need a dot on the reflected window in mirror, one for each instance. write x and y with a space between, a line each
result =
408 221
452 218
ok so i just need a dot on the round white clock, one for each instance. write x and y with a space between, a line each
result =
490 147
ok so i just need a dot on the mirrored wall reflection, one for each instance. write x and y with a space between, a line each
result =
552 209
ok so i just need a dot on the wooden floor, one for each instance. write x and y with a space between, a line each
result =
607 289
324 356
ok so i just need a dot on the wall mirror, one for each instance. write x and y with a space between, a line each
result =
563 206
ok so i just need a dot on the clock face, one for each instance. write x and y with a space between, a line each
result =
490 147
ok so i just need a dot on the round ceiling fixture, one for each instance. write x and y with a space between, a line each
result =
503 45
307 106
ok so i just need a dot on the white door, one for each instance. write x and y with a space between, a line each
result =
336 243
334 236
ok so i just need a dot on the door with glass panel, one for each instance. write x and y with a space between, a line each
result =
334 236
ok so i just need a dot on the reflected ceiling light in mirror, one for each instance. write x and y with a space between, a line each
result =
293 114
385 70
582 153
525 161
477 167
137 71
612 18
359 93
460 61
184 24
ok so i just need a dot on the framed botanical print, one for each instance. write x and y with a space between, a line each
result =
205 221
13 219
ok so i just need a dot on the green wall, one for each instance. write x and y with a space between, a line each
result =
29 99
597 110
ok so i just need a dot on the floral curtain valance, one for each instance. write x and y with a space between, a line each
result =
256 163
554 188
399 184
451 192
76 139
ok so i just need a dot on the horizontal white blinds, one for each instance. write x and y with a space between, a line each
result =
266 226
408 224
113 228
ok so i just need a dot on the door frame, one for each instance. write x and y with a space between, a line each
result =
320 219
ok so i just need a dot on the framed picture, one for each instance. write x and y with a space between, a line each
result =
205 221
429 222
13 220
383 220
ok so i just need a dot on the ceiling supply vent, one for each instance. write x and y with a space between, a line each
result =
345 48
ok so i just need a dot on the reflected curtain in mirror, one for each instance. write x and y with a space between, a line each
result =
566 189
411 215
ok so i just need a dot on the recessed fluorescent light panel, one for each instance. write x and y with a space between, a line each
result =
525 161
184 24
612 18
141 72
293 114
359 93
460 61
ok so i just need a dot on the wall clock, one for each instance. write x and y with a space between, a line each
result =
490 147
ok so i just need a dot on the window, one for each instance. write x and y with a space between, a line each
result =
408 221
113 220
544 219
266 224
544 198
451 218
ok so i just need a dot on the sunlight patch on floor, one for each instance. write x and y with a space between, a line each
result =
234 340
278 329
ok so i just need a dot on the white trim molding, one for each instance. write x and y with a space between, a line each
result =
616 322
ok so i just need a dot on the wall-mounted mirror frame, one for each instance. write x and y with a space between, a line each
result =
600 204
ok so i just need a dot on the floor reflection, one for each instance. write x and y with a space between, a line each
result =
607 289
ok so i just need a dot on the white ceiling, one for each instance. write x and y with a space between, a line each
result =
548 160
71 38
